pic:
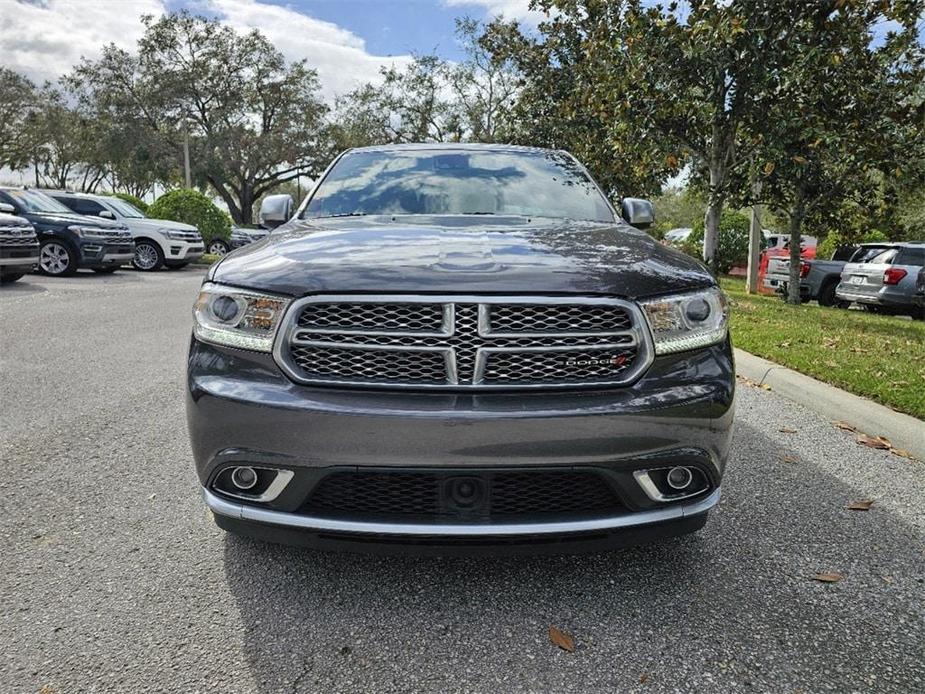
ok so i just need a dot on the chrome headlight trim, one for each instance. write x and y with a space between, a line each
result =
674 323
254 324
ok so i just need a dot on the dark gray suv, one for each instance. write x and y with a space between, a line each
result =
459 346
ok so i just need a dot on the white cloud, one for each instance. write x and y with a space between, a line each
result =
44 40
510 9
339 56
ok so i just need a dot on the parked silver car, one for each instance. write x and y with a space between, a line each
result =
886 282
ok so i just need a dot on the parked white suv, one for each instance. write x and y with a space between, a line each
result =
158 242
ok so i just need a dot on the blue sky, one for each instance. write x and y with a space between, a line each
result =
393 28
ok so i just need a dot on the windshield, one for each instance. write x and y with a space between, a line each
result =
524 183
33 201
123 209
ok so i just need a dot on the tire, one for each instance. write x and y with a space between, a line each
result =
10 277
217 247
57 259
827 294
148 256
104 270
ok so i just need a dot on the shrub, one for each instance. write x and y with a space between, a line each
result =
732 248
837 239
132 200
192 207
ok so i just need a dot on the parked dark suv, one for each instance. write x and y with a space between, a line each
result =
19 247
70 241
465 346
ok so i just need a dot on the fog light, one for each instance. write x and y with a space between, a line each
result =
679 478
244 477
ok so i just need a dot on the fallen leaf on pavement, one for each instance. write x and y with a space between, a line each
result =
828 577
862 505
561 639
789 459
787 430
844 425
902 453
643 678
878 442
765 386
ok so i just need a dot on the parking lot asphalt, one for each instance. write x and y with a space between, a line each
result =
115 579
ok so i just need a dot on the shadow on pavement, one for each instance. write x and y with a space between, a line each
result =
732 606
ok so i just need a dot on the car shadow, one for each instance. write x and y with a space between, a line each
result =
22 286
739 592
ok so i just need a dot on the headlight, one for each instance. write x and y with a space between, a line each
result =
89 232
237 317
176 235
687 321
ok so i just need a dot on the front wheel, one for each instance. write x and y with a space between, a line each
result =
148 256
57 259
217 247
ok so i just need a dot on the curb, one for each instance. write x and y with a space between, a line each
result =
867 416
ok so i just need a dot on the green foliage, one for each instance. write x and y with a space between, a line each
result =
676 208
192 207
17 101
835 346
732 248
132 200
836 239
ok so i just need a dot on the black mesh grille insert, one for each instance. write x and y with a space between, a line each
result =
522 495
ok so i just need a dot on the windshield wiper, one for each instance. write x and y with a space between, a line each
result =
342 214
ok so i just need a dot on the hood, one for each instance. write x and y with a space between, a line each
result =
62 219
461 255
159 224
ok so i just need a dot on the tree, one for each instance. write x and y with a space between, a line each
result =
484 86
17 102
553 108
845 113
63 143
255 120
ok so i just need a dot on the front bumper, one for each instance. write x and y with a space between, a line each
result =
182 250
242 410
19 258
93 254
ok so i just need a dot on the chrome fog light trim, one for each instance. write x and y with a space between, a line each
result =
276 487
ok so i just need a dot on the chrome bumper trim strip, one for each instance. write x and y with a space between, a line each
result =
260 515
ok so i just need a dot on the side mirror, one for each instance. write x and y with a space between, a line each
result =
637 212
106 214
7 207
275 210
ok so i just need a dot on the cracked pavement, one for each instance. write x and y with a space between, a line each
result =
115 578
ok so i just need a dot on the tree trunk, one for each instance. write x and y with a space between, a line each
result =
797 213
754 251
713 214
711 231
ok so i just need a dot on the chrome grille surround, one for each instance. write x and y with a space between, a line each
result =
463 342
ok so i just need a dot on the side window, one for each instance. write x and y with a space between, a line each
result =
69 203
910 256
84 206
8 199
883 258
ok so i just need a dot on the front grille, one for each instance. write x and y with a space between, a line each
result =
482 342
19 241
510 496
